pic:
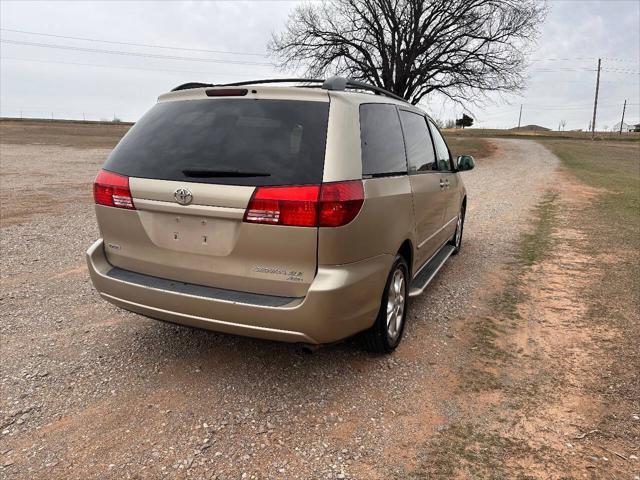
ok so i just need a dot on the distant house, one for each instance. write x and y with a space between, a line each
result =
625 127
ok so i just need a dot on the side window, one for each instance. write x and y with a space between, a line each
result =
418 142
442 151
381 140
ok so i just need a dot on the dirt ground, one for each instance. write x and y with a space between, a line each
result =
517 361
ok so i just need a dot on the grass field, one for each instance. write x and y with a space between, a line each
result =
478 147
614 167
66 133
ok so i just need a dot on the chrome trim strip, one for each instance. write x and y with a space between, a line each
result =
434 234
193 209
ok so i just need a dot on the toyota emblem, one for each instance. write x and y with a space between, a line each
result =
183 196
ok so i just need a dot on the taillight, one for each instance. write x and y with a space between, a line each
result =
295 206
112 190
340 202
327 205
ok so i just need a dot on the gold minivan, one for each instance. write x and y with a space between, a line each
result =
305 213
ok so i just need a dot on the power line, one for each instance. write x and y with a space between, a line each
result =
571 69
511 111
563 108
566 59
202 50
563 69
146 45
135 54
573 105
546 81
125 67
583 59
621 70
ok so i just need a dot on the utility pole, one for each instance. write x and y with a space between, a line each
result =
595 102
520 117
624 107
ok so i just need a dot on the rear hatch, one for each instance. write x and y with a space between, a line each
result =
192 165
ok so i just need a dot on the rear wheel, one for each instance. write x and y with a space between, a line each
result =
386 333
456 241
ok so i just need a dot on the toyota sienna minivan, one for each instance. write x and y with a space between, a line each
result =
306 213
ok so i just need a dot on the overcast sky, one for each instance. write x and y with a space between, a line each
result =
81 79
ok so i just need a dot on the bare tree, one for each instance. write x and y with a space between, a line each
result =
414 47
562 125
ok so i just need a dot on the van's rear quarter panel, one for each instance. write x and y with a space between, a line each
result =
384 222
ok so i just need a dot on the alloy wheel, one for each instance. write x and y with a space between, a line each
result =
395 304
459 230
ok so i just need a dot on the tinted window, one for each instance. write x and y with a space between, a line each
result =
419 147
442 151
381 139
284 140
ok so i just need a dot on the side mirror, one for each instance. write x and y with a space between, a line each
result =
465 163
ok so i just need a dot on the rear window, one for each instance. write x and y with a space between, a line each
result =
227 141
381 140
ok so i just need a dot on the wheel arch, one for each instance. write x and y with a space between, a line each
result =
406 250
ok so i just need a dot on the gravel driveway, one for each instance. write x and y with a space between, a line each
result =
91 391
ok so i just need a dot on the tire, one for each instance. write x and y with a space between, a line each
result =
456 241
385 334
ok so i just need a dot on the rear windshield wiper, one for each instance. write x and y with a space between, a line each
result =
208 173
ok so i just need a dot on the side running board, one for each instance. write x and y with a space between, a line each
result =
429 270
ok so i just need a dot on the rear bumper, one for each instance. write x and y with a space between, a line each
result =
341 301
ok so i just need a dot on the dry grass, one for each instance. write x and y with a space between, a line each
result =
478 147
65 133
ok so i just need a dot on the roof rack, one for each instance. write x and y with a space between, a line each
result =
332 83
187 86
341 83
